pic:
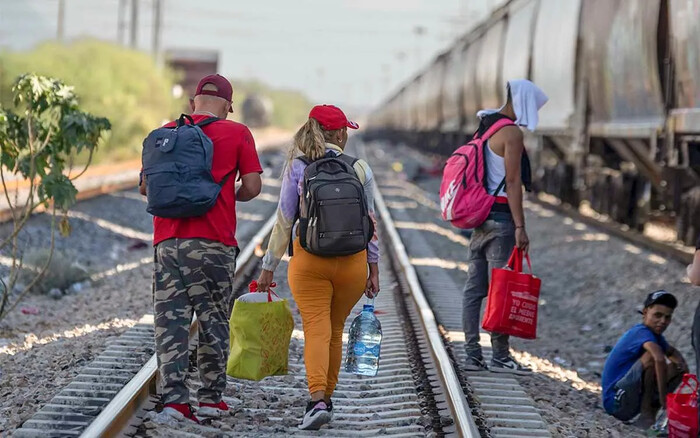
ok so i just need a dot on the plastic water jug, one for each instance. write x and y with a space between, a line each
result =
364 343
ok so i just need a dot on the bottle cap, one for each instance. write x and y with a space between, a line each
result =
368 307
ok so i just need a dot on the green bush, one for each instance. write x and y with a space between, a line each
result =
120 84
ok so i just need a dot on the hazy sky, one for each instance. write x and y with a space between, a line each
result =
351 52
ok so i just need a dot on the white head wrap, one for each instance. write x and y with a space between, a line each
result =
527 99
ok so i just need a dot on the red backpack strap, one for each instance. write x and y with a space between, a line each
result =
500 123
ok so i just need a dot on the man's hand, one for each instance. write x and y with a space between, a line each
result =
521 239
677 358
142 184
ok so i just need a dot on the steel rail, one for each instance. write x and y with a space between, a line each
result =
456 400
461 413
115 417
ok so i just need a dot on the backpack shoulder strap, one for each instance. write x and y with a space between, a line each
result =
347 159
304 159
207 121
496 127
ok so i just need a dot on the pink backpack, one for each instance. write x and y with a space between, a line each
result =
464 200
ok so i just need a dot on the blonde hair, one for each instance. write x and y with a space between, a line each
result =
309 141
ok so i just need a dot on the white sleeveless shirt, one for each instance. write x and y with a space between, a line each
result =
495 171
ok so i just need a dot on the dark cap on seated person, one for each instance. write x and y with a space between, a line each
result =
222 85
331 118
661 297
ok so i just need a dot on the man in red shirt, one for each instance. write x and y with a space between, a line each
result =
195 260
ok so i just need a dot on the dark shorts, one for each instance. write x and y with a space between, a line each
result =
628 393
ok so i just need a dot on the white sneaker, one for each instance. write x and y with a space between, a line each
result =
210 410
317 414
509 365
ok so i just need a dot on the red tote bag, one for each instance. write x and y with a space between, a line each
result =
511 307
682 409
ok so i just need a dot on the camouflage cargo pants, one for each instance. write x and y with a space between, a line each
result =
192 276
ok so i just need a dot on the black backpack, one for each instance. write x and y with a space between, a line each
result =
333 215
177 166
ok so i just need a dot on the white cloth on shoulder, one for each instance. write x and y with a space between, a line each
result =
527 98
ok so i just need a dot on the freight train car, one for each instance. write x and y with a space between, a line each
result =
622 127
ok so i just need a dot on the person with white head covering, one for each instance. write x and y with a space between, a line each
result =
526 99
492 242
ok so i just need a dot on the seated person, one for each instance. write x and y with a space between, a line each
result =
636 377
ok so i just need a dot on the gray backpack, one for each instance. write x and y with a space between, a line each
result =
177 167
333 215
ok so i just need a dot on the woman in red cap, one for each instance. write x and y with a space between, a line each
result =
325 288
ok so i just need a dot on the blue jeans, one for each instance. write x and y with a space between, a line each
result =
490 247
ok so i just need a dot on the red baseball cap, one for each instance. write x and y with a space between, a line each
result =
223 88
331 117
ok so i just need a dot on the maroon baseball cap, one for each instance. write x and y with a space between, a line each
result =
331 117
223 88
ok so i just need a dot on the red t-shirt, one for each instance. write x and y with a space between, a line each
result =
234 152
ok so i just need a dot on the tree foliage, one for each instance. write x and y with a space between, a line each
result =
118 83
39 138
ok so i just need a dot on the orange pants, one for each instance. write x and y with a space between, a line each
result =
325 290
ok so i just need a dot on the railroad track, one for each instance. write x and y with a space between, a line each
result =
417 391
420 389
675 251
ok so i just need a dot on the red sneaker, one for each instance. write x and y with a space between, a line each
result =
180 411
212 409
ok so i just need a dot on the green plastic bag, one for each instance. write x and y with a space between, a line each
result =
259 339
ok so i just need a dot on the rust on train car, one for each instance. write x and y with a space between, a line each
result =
451 93
412 100
488 68
469 90
625 89
433 89
554 62
685 35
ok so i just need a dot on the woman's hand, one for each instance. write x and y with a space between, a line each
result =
265 280
372 287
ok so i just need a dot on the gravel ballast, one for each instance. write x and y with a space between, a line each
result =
592 286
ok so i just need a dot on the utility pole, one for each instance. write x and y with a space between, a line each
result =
60 27
121 21
156 30
134 23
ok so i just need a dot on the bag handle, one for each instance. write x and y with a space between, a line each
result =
687 378
181 120
253 288
515 262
